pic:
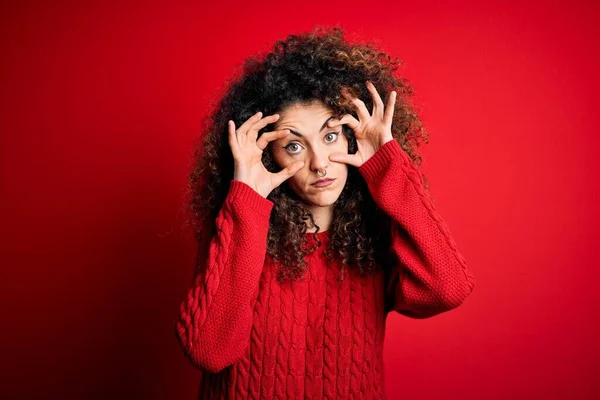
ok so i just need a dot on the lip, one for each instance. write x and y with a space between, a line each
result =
323 182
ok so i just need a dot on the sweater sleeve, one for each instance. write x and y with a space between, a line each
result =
428 274
215 319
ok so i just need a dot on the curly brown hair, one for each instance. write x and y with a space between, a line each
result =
300 69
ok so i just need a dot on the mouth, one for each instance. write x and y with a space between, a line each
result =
323 182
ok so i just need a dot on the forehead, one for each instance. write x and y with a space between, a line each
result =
308 116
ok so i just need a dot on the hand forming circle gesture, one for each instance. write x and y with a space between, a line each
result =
371 131
247 154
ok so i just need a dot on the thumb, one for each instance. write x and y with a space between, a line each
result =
345 158
288 172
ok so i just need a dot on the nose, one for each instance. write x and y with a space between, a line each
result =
319 160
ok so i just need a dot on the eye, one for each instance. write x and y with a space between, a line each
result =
293 148
333 137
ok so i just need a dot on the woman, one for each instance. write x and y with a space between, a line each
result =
313 223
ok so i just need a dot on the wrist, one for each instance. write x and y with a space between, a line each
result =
253 187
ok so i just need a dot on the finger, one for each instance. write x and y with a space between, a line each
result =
267 137
377 102
347 119
361 108
258 125
287 172
249 122
352 159
233 143
389 110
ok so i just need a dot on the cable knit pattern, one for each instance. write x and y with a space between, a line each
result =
435 277
318 337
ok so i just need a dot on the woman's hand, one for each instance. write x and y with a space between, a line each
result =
247 154
371 131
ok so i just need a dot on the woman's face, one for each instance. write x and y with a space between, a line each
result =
311 141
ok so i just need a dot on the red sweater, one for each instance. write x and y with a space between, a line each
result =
317 337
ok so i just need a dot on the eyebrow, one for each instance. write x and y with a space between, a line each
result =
322 127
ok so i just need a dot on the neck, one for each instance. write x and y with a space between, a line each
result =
322 217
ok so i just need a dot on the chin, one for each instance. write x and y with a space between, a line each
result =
318 198
325 199
320 202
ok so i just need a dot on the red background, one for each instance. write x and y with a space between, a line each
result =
100 105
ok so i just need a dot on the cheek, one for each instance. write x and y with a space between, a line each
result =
299 179
282 159
344 146
278 157
342 173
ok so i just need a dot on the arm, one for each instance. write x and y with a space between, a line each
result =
428 274
215 319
